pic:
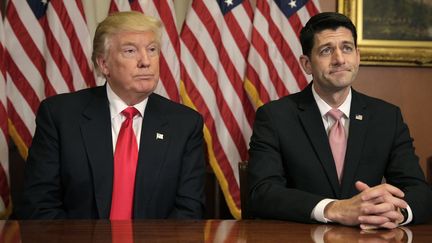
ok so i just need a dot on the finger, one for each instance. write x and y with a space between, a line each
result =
393 216
368 227
378 208
394 190
387 225
397 202
373 219
384 210
361 186
387 199
373 201
382 190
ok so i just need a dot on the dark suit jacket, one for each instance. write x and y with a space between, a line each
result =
291 166
69 170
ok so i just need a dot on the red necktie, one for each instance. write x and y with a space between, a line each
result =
125 162
337 140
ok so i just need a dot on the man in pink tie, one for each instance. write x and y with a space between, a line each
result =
321 155
118 151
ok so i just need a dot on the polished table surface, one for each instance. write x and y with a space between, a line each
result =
82 231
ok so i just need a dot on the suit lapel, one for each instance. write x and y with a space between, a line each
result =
154 142
96 133
359 118
311 120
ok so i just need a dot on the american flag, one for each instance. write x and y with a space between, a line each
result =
4 153
273 68
214 46
170 49
48 50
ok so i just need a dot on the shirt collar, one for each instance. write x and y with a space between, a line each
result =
117 105
323 107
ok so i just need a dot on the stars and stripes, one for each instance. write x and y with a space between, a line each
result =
48 52
214 46
4 153
273 68
170 47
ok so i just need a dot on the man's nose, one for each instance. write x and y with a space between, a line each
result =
143 59
338 56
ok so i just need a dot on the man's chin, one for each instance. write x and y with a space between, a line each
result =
145 87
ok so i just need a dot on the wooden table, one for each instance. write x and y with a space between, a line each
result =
82 231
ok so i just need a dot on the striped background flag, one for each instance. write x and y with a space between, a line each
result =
214 46
4 153
273 69
48 50
170 49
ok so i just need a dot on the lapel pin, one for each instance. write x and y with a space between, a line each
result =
159 136
359 117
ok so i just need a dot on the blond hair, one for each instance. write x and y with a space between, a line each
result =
122 22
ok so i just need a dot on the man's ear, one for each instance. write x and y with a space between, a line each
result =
306 64
103 67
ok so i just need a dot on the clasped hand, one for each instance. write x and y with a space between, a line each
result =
374 207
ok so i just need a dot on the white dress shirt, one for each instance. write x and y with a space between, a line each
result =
328 121
116 106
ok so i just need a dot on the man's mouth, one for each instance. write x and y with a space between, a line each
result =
144 76
339 70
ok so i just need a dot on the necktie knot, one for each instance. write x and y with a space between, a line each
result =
335 114
130 112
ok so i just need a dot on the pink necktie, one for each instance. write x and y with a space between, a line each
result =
337 140
125 162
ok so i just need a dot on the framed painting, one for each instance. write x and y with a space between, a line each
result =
397 33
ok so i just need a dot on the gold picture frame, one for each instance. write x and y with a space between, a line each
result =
379 51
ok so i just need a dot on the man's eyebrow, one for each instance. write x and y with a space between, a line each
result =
135 44
348 42
128 43
324 45
330 44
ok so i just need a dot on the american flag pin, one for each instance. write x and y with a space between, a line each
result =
359 117
159 136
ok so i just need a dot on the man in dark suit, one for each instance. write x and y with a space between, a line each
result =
294 170
72 170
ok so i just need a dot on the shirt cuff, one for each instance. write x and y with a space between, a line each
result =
410 216
318 211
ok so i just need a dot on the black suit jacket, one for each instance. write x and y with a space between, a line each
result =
291 166
69 170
